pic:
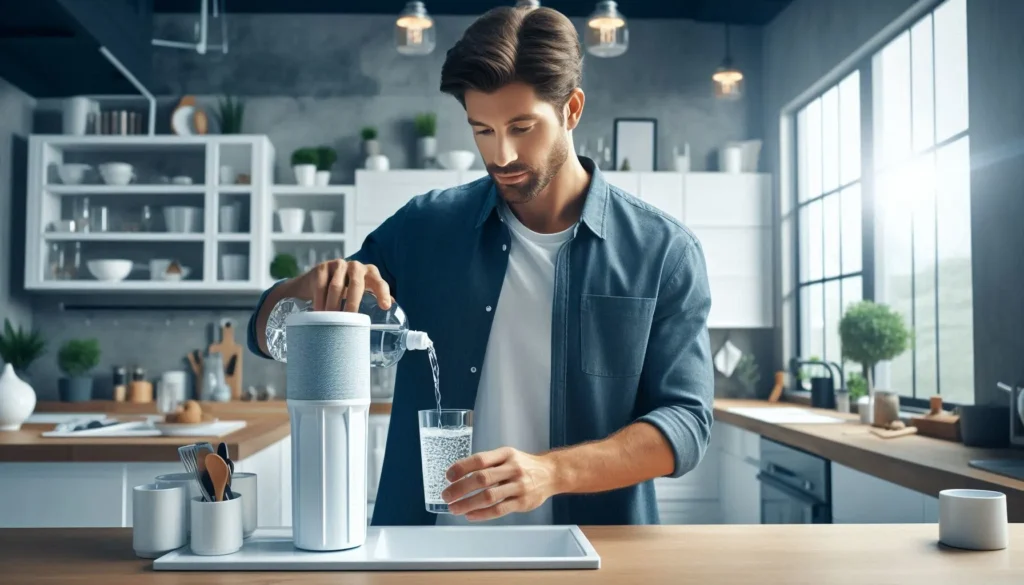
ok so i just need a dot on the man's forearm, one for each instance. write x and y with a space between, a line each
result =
635 454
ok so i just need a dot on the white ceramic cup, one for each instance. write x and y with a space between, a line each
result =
229 218
216 526
187 481
227 175
234 266
244 484
170 391
158 521
973 519
292 219
322 220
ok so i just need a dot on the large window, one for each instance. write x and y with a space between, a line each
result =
917 156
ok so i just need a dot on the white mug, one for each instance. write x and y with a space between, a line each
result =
973 519
170 391
216 526
158 519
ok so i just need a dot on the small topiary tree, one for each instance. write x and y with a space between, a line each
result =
871 333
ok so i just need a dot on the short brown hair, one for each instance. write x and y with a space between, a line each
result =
538 47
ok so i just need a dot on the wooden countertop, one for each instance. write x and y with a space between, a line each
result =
836 554
28 444
919 463
236 407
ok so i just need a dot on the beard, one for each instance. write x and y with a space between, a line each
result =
537 179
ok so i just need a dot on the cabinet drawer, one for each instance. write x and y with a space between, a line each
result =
739 443
722 199
859 498
740 302
624 180
699 484
664 191
743 251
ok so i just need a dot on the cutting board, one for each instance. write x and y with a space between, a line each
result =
232 353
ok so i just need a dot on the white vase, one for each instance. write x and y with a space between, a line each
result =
371 147
377 162
305 175
323 178
17 400
426 151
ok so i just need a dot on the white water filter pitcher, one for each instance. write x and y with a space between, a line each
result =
328 391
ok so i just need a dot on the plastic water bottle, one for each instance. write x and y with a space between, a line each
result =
390 335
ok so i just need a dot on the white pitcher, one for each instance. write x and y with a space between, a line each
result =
17 400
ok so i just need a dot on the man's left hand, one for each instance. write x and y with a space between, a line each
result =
510 480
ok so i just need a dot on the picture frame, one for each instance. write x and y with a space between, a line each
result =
635 140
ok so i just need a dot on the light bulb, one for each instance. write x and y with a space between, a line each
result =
607 34
528 4
414 30
728 82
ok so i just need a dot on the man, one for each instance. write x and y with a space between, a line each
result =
570 315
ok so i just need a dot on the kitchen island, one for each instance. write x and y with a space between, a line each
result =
897 554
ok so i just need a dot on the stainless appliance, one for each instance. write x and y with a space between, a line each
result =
796 486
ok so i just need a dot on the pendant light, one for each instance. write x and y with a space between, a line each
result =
528 4
607 34
728 80
414 30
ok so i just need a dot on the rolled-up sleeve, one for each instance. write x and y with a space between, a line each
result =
676 392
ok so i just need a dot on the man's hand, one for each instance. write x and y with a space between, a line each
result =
326 284
510 480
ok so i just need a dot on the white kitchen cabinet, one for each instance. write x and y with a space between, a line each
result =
625 180
694 497
859 498
727 200
739 463
381 193
664 191
160 173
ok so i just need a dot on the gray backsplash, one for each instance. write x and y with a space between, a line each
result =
317 79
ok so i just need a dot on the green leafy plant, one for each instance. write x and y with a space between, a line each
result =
369 133
748 373
284 266
856 385
426 124
78 356
229 114
325 158
304 156
871 333
19 347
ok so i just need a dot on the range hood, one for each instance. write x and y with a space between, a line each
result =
52 48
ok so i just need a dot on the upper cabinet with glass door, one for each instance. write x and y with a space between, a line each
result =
145 213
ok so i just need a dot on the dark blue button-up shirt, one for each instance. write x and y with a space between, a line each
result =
629 338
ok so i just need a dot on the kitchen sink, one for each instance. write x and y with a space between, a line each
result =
784 415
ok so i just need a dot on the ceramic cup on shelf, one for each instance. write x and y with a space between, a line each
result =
234 266
217 527
158 523
973 519
322 220
230 217
117 173
292 219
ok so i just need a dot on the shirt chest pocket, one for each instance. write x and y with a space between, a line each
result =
613 334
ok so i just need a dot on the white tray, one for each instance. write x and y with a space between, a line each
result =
406 548
144 429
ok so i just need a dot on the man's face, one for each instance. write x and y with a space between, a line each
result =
522 139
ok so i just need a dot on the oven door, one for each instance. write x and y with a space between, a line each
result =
782 503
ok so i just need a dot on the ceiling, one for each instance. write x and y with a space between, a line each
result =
749 12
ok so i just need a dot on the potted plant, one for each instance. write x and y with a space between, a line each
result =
77 358
325 159
284 266
304 162
230 111
375 161
871 333
426 138
20 348
749 374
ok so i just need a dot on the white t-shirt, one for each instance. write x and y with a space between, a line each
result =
513 401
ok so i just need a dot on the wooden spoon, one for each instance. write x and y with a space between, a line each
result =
219 474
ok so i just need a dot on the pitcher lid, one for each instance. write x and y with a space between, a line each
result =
328 318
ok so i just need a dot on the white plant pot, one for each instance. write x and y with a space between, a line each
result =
426 151
372 147
323 178
377 162
305 175
17 400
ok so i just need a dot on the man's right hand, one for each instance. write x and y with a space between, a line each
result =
327 284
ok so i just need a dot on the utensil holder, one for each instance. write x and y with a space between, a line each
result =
158 521
188 482
216 526
244 485
973 519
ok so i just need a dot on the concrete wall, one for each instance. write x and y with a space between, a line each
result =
15 126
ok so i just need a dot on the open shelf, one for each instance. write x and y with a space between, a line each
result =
299 190
131 189
233 237
125 237
311 237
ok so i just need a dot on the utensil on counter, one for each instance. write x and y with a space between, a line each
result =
194 459
219 475
222 450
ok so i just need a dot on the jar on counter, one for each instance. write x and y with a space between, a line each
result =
120 383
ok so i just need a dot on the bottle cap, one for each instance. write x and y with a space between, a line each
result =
417 340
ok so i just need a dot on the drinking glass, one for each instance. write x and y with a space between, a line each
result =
446 436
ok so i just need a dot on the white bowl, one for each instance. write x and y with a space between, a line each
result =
117 173
110 270
456 160
292 219
72 173
322 220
